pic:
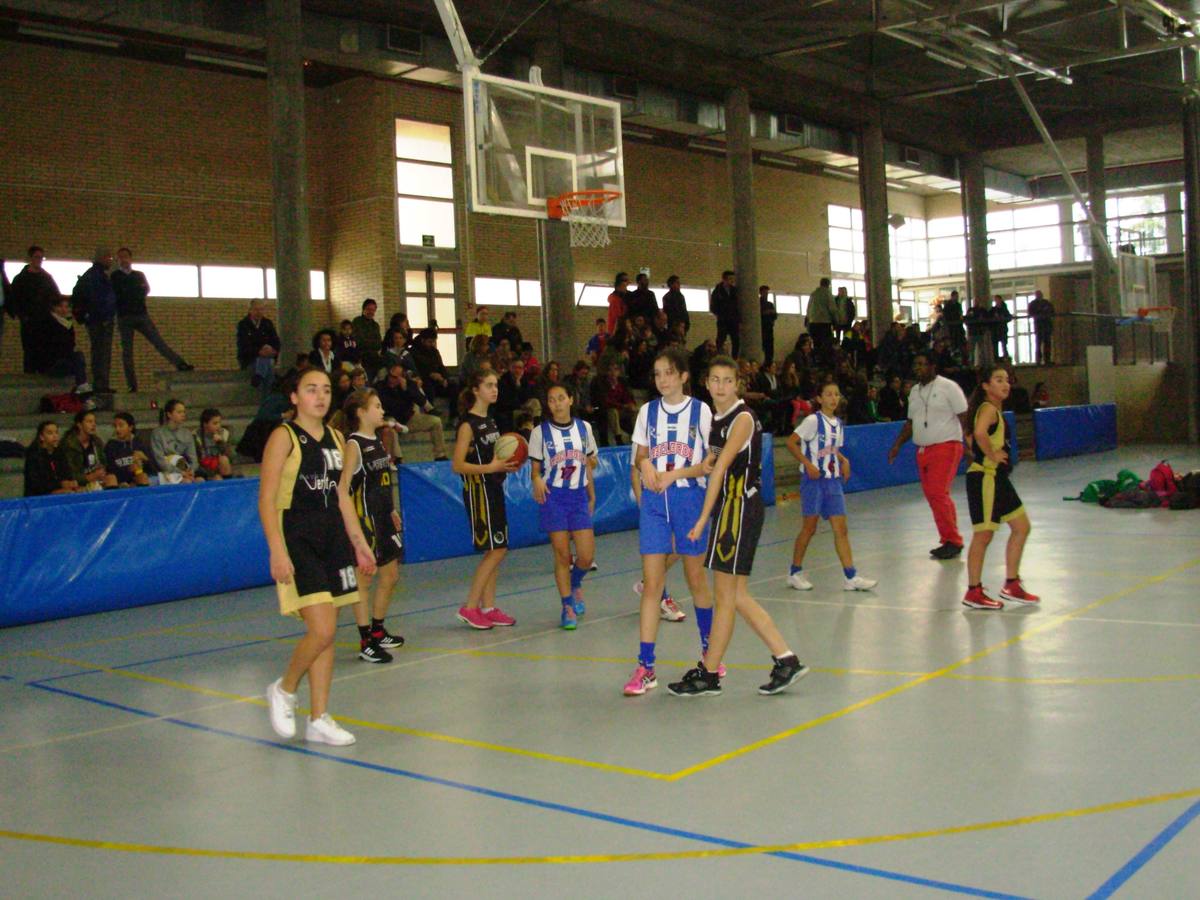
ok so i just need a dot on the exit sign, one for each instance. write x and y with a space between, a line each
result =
427 240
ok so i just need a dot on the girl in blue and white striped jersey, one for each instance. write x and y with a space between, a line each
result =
563 451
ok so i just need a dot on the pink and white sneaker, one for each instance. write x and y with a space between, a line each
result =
497 616
669 611
642 680
474 617
1015 592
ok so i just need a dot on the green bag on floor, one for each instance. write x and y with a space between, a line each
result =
1106 488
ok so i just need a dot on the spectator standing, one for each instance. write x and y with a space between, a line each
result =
33 294
596 342
132 289
174 445
44 471
978 320
506 329
1041 311
618 303
258 347
1001 316
82 454
367 335
322 356
723 304
769 314
847 312
122 457
94 303
345 347
642 302
6 308
675 306
52 345
937 411
820 318
404 401
952 318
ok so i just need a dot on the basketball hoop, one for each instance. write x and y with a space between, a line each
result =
1161 318
588 213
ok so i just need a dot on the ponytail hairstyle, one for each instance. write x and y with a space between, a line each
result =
167 409
208 415
979 395
466 397
42 426
352 409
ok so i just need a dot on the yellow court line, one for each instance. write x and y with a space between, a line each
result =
1139 622
835 843
1075 682
932 676
366 723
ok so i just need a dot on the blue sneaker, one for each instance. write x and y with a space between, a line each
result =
577 594
568 621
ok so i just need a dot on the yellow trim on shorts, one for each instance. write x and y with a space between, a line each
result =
1015 514
290 603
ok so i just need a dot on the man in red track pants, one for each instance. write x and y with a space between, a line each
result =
937 408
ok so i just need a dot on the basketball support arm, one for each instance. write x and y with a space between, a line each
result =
457 35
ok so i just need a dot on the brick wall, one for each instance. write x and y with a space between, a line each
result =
174 162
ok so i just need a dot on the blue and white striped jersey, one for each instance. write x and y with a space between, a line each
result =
563 451
675 437
820 439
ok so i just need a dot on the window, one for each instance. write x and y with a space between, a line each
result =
787 304
1024 236
592 294
529 292
910 256
171 281
424 185
65 272
946 246
316 284
857 290
514 292
232 282
1139 219
846 240
695 299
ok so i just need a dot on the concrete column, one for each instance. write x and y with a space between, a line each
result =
1188 346
975 216
289 176
872 191
745 253
1104 274
560 342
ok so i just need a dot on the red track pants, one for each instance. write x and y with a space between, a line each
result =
937 465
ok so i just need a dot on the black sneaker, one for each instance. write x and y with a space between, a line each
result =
946 551
786 672
371 652
697 683
387 641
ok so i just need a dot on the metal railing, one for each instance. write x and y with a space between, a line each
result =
1132 340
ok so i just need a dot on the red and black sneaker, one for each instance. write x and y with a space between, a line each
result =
387 640
977 598
1015 592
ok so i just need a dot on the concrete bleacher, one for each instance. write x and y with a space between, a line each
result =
228 390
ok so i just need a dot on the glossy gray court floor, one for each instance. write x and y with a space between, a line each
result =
1044 753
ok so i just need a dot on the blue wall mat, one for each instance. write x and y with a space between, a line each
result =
867 449
1072 430
435 523
72 555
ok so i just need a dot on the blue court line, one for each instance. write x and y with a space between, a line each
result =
6 678
547 805
1146 854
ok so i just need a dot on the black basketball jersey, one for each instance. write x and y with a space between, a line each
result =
482 451
310 474
743 478
371 484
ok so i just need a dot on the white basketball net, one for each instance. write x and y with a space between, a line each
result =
588 221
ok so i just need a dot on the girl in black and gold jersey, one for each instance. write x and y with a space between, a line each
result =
365 495
991 496
313 552
483 496
733 499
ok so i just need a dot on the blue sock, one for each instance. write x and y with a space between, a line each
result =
646 654
666 594
850 571
704 623
795 569
568 601
577 576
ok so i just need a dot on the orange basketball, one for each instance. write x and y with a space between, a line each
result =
511 445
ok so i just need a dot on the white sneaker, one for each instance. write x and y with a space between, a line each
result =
84 388
669 611
326 731
858 583
283 709
799 581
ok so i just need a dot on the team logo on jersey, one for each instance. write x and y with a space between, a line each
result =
498 537
303 439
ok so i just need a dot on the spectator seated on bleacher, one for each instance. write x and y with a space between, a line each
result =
44 470
367 336
430 366
258 346
346 347
322 356
174 446
404 401
82 454
617 404
53 348
213 451
396 353
123 458
514 389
